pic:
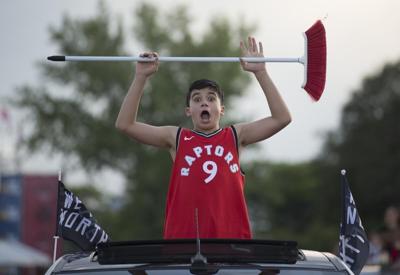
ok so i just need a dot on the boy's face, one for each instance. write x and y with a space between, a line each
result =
205 109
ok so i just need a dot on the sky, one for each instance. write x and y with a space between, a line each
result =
362 35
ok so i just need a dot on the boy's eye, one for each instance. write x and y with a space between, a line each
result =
196 99
211 98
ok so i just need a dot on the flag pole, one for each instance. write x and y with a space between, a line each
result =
342 238
343 192
56 237
55 248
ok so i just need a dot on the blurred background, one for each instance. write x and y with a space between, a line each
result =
60 116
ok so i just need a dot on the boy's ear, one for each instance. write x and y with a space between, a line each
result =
222 110
187 111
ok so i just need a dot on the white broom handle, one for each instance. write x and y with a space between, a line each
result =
176 59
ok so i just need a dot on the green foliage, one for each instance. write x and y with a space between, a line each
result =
367 146
303 201
74 111
283 202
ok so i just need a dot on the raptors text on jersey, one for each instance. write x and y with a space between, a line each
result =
206 176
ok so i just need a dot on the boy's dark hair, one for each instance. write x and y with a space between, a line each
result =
204 83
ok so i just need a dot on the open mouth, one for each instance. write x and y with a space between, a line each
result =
205 115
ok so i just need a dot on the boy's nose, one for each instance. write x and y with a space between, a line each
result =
204 104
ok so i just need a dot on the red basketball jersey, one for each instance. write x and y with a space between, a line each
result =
206 176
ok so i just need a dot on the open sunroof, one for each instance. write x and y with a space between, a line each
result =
183 250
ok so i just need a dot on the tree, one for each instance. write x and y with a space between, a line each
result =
367 145
283 202
74 110
303 201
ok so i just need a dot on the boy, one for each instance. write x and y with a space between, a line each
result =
206 174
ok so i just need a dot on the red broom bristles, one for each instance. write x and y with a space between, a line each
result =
316 60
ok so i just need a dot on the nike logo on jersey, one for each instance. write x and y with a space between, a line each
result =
188 138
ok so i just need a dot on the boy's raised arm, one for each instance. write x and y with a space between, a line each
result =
163 136
252 132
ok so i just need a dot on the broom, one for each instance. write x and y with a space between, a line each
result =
314 59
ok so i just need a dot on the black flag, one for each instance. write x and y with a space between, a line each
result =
353 244
75 223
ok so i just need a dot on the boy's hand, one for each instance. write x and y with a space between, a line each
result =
252 51
147 68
